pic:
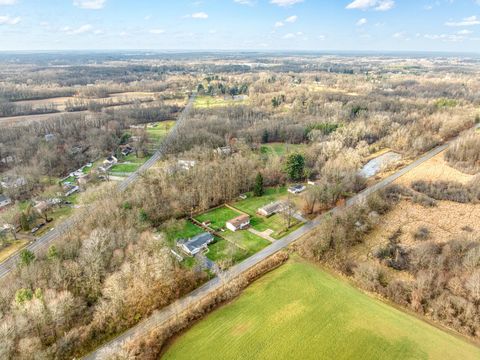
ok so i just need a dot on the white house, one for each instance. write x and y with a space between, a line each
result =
239 223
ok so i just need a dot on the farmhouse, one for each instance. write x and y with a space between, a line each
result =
271 208
239 223
110 161
196 244
126 150
4 201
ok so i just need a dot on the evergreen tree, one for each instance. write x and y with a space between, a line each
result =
258 189
26 257
295 166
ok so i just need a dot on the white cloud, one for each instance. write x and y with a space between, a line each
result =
285 3
291 19
445 37
465 32
468 21
80 30
147 17
7 20
400 35
378 5
8 2
245 2
362 22
321 37
90 4
292 35
198 15
157 31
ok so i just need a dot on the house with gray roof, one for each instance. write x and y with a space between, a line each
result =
196 244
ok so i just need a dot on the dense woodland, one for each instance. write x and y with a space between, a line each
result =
115 267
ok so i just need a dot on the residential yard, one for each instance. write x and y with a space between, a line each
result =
181 229
281 149
313 315
158 131
12 247
218 101
128 164
275 222
245 240
218 217
221 249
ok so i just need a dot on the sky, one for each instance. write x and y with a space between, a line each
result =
314 25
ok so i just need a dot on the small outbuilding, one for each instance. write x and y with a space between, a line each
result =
239 223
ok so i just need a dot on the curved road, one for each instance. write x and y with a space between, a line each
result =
45 240
159 318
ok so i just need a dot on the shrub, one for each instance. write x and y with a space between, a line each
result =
464 154
422 233
424 200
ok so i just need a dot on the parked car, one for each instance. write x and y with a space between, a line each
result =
296 189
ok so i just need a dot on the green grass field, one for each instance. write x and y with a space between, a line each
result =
181 229
275 222
205 101
218 217
301 312
281 149
125 168
221 249
159 131
245 240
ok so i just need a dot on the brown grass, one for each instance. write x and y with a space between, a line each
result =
433 170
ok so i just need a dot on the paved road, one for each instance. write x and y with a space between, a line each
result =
45 240
161 317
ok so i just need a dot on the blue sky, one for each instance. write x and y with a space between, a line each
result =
378 25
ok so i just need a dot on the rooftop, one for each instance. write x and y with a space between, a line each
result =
239 220
198 241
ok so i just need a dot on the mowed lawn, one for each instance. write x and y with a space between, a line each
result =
157 132
301 312
218 217
275 222
247 242
206 101
281 149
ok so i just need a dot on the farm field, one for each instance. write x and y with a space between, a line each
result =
310 313
210 101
